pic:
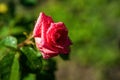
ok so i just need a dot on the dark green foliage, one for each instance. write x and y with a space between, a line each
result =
48 69
33 61
5 66
65 56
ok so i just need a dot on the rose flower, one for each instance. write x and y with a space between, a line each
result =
51 38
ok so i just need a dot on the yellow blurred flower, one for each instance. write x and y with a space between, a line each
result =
3 8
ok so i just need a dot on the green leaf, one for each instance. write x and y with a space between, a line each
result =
5 66
33 60
9 42
15 68
64 56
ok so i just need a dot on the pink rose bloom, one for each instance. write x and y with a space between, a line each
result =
51 38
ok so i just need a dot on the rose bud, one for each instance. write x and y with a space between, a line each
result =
51 38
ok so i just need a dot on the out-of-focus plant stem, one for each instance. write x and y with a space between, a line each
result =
28 41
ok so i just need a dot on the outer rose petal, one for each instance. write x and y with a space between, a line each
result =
47 53
38 42
42 19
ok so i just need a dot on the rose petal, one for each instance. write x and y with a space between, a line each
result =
38 42
47 53
52 36
55 31
42 19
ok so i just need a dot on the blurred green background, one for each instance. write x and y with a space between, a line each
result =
94 28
